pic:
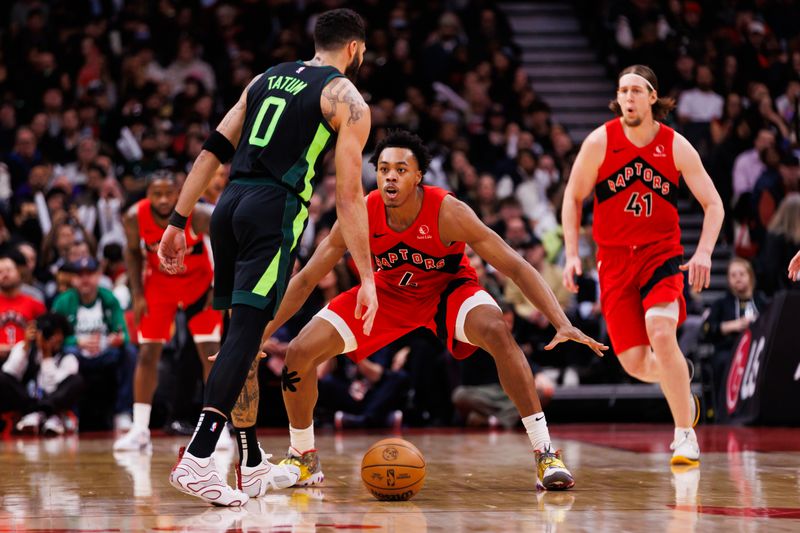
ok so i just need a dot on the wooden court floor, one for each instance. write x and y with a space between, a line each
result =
749 481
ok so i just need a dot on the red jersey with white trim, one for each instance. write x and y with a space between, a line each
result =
198 274
636 193
415 260
15 314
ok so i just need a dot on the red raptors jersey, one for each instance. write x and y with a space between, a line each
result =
415 260
636 193
15 314
198 266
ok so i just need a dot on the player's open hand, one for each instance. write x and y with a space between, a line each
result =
172 249
367 305
571 333
572 268
794 267
699 267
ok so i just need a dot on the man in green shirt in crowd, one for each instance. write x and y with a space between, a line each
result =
100 339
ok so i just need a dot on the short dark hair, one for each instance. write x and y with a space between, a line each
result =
337 27
404 139
159 175
663 105
49 323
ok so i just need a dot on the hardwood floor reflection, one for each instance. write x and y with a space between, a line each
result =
476 481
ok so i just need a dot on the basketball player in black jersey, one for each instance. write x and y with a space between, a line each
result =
277 134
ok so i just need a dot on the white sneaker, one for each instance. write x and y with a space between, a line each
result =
30 423
199 477
135 440
256 480
686 451
53 426
225 441
123 422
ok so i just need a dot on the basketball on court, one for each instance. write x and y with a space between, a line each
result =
393 470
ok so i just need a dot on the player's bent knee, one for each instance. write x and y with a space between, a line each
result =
494 336
633 361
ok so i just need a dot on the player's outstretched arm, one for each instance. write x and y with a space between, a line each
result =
688 162
457 222
344 108
322 261
581 182
229 130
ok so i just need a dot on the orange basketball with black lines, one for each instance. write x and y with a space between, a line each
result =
393 470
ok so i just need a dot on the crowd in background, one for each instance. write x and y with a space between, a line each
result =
96 95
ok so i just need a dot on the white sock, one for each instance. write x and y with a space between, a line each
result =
680 432
141 415
302 440
536 426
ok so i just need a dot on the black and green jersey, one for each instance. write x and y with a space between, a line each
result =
285 136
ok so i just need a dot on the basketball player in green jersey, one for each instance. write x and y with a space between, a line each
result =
277 135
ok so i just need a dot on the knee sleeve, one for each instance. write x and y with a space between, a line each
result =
229 371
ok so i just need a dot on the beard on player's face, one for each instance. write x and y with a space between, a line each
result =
351 71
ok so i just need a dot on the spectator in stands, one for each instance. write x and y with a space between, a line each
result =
188 65
27 268
370 393
56 383
17 310
781 178
731 314
699 106
100 340
480 399
748 165
23 157
724 126
781 243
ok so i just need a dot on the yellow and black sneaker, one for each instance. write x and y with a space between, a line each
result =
309 465
552 473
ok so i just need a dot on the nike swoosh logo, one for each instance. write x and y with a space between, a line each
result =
618 150
537 419
378 235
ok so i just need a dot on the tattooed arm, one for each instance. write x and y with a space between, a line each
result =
348 114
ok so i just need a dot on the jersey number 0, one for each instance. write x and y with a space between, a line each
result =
273 101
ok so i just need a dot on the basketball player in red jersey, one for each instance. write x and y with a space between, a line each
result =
424 279
633 165
158 295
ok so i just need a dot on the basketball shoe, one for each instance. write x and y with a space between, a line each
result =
199 477
553 474
135 440
256 480
685 450
309 465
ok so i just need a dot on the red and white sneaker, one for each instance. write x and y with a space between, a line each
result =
199 477
256 480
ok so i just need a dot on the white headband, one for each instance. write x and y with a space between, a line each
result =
641 78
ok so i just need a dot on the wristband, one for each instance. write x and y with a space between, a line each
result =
178 220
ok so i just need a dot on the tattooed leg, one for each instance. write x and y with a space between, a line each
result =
244 415
245 411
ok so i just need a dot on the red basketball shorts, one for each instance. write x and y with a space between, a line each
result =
163 300
634 279
444 314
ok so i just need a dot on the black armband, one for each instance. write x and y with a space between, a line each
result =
220 146
178 220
